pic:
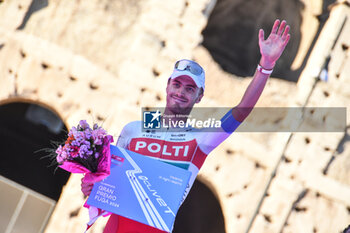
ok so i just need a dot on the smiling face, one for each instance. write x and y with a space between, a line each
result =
182 94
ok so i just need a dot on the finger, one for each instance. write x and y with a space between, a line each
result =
275 26
82 181
261 35
86 186
86 191
281 28
286 41
285 33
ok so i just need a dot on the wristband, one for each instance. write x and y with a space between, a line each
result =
262 70
229 123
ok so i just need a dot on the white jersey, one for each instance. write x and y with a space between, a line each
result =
185 148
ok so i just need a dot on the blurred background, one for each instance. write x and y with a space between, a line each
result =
103 60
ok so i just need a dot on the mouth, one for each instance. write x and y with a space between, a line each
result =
179 99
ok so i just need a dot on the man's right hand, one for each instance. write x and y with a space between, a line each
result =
86 187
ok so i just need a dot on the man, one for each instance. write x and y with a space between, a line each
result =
189 148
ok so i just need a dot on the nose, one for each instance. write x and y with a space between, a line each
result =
180 91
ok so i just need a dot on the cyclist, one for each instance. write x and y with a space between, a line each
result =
189 148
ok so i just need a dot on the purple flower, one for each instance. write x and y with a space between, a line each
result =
62 154
84 125
87 134
59 150
87 143
84 151
98 135
59 159
73 131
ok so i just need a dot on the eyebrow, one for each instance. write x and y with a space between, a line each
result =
188 85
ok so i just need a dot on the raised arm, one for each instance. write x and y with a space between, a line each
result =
270 49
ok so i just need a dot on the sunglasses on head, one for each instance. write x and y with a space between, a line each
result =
189 65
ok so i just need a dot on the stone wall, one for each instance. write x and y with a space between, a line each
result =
231 33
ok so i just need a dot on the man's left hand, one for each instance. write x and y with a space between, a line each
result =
272 48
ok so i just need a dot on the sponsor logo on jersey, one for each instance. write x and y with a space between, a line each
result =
180 151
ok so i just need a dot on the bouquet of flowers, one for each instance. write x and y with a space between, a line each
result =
86 151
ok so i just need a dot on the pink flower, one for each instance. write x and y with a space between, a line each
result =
84 125
59 150
59 159
74 151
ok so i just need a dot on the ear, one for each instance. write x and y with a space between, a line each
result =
200 96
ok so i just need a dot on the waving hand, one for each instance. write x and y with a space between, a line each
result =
272 48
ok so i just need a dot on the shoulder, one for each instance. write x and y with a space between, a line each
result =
132 126
130 130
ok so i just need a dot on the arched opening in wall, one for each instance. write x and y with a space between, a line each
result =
201 212
29 187
231 35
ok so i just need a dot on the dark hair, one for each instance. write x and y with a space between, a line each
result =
200 92
346 229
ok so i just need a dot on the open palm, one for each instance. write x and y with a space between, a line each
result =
272 48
